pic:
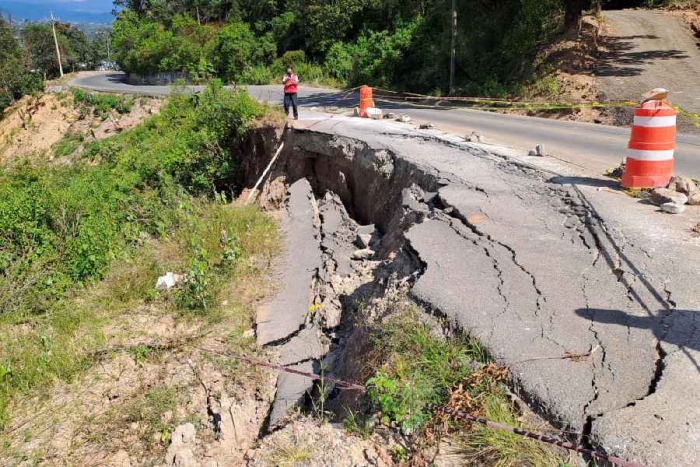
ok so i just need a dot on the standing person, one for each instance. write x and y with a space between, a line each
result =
290 82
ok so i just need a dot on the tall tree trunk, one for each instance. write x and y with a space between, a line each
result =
573 12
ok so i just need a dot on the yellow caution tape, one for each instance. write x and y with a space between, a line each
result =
491 103
693 117
510 103
525 106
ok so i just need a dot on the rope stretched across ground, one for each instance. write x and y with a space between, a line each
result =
445 410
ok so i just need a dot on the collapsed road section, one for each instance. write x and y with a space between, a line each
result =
538 264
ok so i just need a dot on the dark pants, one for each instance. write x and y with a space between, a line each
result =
291 99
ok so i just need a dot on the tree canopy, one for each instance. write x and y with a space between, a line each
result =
28 55
404 43
15 76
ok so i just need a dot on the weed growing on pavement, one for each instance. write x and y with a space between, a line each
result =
418 370
419 367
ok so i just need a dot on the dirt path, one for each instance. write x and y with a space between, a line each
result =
648 49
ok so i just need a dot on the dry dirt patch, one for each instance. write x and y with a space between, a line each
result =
34 126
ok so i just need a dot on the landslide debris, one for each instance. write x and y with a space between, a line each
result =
60 125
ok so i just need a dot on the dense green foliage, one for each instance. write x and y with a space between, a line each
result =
28 56
405 44
63 227
78 52
418 370
15 76
67 224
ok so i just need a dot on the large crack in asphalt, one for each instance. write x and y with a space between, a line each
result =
615 263
378 186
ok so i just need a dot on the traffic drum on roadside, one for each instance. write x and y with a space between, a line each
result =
366 100
649 162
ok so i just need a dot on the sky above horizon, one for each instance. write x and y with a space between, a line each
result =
77 11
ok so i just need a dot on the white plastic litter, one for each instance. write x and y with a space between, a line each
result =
166 282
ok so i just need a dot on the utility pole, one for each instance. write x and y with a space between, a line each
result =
453 51
55 40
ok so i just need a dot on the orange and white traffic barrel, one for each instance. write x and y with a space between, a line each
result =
366 100
650 151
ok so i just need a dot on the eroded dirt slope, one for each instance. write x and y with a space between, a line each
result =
35 126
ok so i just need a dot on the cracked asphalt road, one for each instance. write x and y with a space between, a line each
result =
538 263
592 147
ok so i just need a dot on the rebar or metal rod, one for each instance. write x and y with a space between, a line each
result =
262 177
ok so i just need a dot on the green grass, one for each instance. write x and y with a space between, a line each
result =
67 145
101 104
147 410
418 366
419 369
37 352
80 245
151 415
497 448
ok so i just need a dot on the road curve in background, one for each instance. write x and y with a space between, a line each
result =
591 147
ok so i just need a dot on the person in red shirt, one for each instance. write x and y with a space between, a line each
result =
290 82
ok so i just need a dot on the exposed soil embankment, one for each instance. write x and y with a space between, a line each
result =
532 264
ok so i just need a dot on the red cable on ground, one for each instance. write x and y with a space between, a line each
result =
249 360
535 436
463 415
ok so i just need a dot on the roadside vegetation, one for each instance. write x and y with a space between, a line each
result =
28 55
402 44
413 366
82 245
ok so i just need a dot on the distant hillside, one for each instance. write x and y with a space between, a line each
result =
67 11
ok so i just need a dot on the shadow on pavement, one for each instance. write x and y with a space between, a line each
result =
676 327
619 60
587 181
119 78
680 330
669 324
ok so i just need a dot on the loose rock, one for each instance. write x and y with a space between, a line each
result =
660 196
683 185
426 126
362 241
168 281
474 137
694 199
374 113
405 119
362 254
539 151
180 451
672 208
